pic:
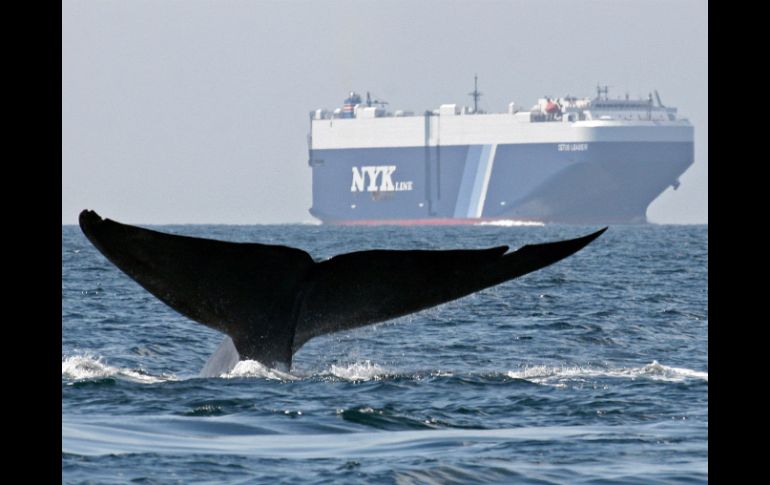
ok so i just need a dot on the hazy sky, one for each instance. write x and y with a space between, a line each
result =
197 111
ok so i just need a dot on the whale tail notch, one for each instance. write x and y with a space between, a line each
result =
270 300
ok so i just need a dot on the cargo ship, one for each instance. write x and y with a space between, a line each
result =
565 160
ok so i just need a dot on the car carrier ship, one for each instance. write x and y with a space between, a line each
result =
565 160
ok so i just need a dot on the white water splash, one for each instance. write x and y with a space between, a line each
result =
359 371
658 371
252 368
88 367
509 223
542 374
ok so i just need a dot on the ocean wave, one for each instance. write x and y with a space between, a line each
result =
509 223
554 375
87 367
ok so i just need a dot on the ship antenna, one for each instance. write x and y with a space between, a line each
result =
657 96
475 94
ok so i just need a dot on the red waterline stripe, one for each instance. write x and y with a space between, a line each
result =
417 222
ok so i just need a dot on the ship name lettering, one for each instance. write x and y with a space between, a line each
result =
381 173
572 147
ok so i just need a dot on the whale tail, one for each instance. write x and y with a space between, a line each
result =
270 300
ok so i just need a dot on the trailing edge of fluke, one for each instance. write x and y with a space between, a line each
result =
270 300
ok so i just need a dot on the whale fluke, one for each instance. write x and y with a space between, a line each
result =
270 300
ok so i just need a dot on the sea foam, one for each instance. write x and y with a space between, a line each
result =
542 374
509 223
89 367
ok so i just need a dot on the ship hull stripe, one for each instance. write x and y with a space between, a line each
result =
475 181
482 180
472 162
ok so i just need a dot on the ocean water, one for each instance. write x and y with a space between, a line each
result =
592 370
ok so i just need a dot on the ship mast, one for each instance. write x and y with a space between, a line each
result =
475 94
602 90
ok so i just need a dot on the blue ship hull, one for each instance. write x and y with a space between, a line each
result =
593 182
